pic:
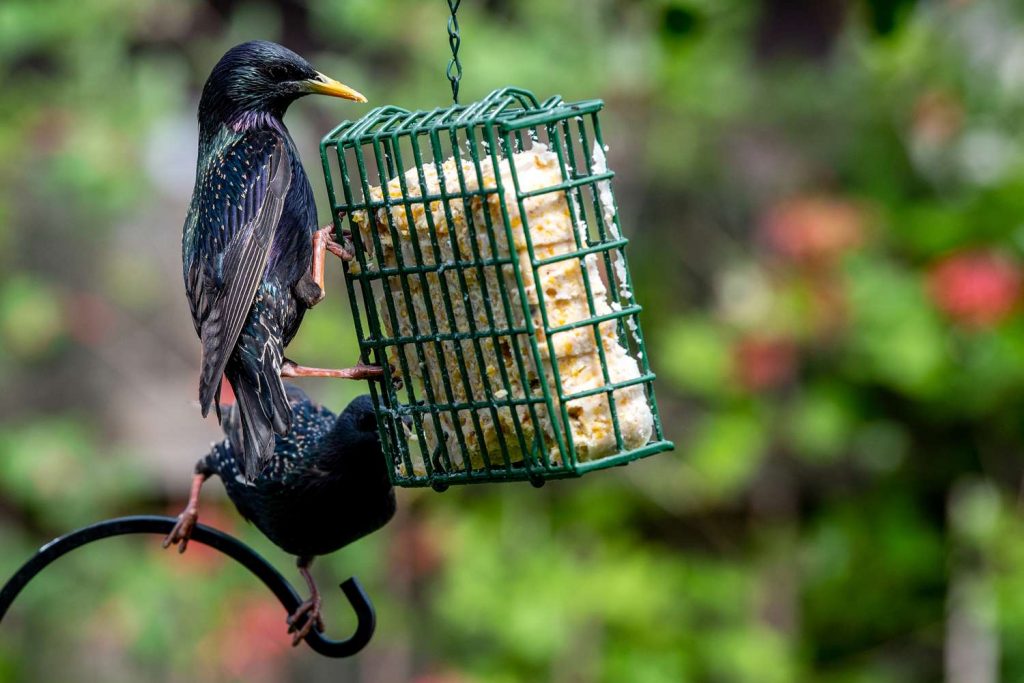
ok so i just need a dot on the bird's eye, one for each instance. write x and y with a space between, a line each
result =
277 72
367 422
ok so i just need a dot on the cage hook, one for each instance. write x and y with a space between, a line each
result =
454 70
366 619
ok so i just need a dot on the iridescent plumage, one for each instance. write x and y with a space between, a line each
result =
246 243
325 486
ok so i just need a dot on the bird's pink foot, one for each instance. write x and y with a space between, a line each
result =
325 237
306 616
305 619
182 530
323 241
360 371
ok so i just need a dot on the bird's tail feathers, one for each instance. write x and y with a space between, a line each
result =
262 411
257 434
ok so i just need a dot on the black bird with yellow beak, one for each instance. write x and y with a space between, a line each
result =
251 250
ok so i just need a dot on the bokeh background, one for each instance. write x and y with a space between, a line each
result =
826 202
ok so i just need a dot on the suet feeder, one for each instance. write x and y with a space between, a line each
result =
490 275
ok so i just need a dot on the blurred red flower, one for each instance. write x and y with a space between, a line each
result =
252 643
813 230
762 363
976 289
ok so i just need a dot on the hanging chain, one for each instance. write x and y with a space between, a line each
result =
454 70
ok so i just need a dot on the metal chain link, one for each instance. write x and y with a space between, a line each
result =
454 70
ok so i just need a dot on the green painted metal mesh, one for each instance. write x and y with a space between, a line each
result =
526 392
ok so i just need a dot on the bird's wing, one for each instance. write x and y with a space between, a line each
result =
237 206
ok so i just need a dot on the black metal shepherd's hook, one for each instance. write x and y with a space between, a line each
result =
230 546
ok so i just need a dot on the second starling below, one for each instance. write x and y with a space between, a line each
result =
325 486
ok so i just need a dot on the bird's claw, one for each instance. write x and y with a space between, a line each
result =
182 530
348 245
363 370
304 619
340 251
326 234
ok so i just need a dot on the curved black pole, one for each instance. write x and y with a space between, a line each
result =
230 546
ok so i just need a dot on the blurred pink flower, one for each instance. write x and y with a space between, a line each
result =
253 641
976 289
762 362
813 230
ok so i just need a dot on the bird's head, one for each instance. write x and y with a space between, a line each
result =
355 439
260 77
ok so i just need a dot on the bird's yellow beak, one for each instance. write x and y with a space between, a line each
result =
325 85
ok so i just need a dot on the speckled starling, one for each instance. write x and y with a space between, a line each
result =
251 250
325 486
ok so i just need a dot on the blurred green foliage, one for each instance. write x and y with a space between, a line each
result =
827 221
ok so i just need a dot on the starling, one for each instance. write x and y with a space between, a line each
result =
252 254
325 486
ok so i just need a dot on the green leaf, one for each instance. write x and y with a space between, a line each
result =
694 354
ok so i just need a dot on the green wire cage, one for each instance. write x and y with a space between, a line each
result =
490 277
